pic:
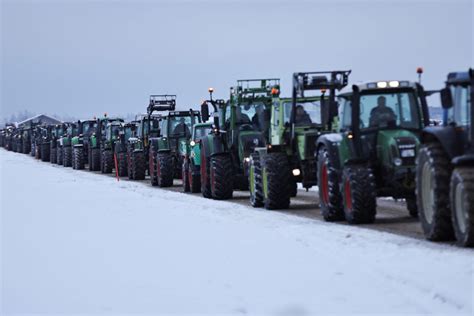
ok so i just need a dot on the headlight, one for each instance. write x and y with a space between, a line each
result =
406 153
192 143
296 172
246 159
397 162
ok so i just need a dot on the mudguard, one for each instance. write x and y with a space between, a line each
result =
450 138
331 143
213 145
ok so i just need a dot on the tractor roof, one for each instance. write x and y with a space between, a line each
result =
183 113
250 89
373 86
198 125
461 77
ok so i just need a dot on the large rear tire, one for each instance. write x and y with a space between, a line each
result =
107 161
45 152
462 205
360 199
433 173
95 163
222 185
67 159
276 179
138 165
59 155
165 170
53 158
78 158
122 164
153 166
255 181
330 198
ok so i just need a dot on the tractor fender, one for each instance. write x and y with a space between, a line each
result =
446 136
331 143
78 145
464 160
212 145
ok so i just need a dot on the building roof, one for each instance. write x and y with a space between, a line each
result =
43 118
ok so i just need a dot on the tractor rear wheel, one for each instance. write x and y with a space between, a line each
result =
185 175
67 159
433 173
165 169
462 205
121 164
194 178
330 198
138 165
222 186
255 181
95 161
107 161
45 152
205 174
276 179
59 155
53 155
153 166
78 158
360 201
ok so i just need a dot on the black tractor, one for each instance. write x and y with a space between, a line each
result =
445 166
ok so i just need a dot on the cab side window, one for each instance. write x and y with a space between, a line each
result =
346 114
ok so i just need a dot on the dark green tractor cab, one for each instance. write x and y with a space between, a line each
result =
374 152
81 143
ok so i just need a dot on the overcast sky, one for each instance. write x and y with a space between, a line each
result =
84 58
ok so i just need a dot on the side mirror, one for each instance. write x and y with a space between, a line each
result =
205 112
446 98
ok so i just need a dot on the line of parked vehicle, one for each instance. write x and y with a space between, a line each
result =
356 143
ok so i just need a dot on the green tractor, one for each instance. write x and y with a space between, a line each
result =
80 143
289 157
43 141
99 153
374 153
240 125
112 133
125 132
166 160
56 133
191 157
64 144
147 127
445 166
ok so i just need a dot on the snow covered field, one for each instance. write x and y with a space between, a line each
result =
78 242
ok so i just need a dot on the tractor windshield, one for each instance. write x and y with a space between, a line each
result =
254 114
201 131
460 114
381 110
180 125
88 128
306 113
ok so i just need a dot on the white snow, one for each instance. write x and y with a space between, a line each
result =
78 242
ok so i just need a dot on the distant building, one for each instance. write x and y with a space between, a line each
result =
41 119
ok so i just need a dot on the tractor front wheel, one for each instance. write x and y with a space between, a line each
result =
138 165
433 172
222 185
153 167
45 152
185 176
255 181
276 179
67 159
95 161
59 155
194 178
462 205
330 198
360 203
165 170
107 161
78 158
53 155
121 164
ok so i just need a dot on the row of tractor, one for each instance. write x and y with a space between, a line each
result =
355 143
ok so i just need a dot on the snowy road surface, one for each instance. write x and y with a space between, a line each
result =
78 242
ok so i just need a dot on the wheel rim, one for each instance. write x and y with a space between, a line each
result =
324 184
427 193
460 213
348 195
